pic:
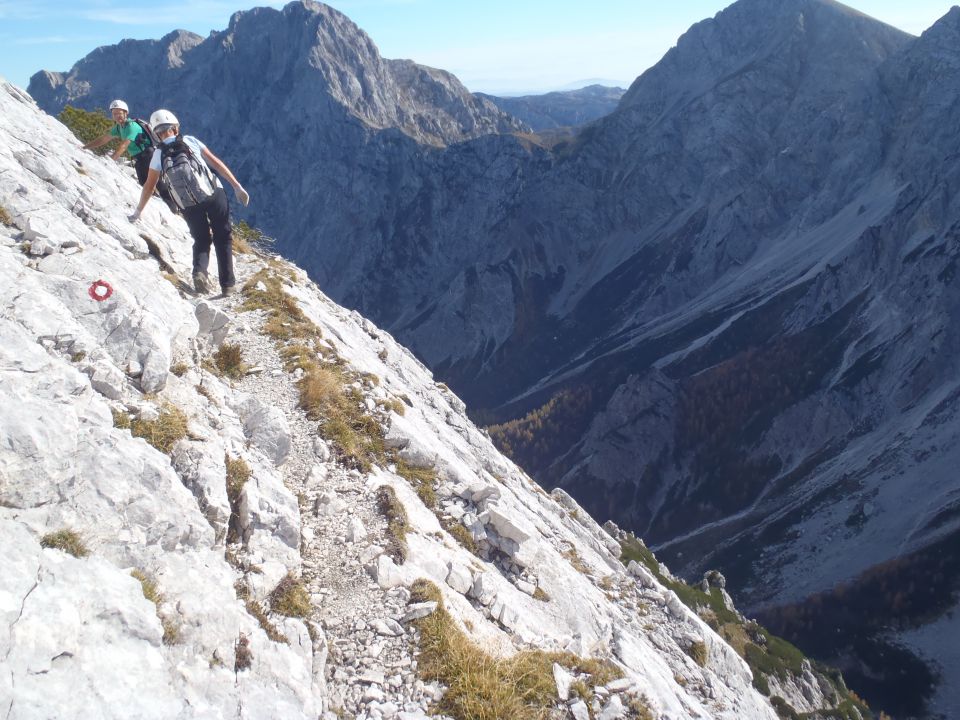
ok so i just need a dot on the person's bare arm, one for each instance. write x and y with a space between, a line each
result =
120 149
223 171
153 176
102 140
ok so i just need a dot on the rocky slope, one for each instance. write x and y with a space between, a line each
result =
189 534
732 300
568 108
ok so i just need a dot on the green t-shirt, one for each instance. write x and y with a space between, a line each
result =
128 131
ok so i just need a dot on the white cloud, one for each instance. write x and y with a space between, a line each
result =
44 40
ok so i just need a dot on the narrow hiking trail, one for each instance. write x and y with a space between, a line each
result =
370 656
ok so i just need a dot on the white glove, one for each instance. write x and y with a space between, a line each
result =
242 195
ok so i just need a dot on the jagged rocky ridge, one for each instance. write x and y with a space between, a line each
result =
81 637
738 288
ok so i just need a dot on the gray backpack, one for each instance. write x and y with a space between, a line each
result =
187 177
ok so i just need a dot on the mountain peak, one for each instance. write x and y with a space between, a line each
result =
308 57
812 38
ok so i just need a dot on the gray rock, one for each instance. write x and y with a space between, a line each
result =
386 573
459 578
613 709
267 428
418 610
355 530
579 710
213 322
563 680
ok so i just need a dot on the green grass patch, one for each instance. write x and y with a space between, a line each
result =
88 125
66 540
765 653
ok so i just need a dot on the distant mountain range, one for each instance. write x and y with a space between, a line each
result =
724 315
560 109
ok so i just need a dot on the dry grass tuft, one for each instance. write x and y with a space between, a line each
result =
256 611
264 291
238 473
151 591
639 708
180 369
482 687
574 559
422 478
321 392
698 651
248 239
290 598
459 533
121 419
398 406
5 218
243 655
228 360
164 431
66 540
398 524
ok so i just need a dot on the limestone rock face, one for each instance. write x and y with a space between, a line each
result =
776 200
197 532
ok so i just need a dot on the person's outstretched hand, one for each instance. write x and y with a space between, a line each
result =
242 195
133 218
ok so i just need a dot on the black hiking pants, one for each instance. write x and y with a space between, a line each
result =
141 163
210 221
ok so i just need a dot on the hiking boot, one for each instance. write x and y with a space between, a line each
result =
201 283
228 291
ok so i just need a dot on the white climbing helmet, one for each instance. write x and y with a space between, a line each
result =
161 118
119 105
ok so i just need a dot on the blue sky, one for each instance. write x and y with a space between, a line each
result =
499 46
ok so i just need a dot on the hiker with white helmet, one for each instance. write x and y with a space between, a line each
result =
134 139
184 163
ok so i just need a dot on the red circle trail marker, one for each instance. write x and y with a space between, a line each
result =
100 290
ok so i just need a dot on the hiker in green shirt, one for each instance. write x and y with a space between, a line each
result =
133 139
